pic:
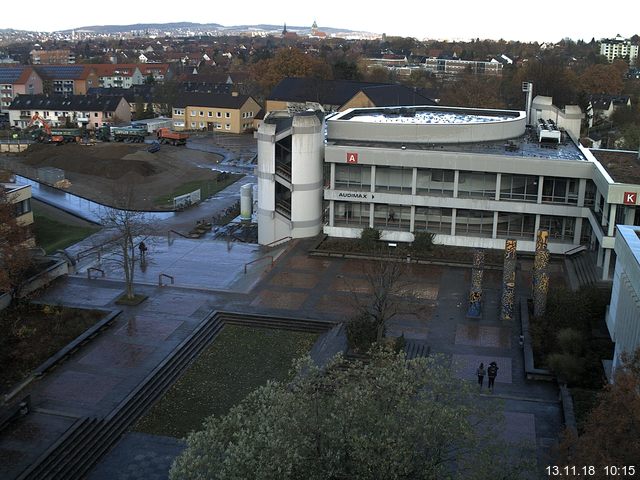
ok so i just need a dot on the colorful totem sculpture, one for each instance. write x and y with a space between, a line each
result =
508 280
541 274
475 294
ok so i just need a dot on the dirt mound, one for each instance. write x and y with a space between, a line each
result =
111 161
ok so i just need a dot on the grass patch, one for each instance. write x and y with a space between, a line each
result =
53 235
238 361
207 188
32 333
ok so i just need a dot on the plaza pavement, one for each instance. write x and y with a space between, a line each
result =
103 372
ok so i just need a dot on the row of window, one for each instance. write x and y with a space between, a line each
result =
470 184
475 223
217 126
201 113
27 113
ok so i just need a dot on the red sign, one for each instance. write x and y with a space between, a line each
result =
352 157
630 198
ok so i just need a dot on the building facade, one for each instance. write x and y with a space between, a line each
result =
619 47
455 66
118 75
20 197
67 79
472 177
623 314
57 57
17 80
232 113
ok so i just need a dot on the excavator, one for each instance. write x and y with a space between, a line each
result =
58 136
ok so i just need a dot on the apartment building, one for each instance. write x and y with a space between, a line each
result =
54 57
454 66
230 113
619 47
90 111
118 75
67 79
17 80
473 177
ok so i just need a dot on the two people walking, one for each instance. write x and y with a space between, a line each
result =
491 372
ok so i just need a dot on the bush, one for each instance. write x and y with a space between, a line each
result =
362 332
571 341
422 243
567 366
369 237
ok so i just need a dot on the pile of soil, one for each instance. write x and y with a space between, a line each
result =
105 160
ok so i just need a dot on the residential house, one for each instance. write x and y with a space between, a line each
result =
90 111
118 75
602 106
17 80
138 97
67 79
52 57
230 113
20 196
296 94
159 71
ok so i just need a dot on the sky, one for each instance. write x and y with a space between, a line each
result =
461 19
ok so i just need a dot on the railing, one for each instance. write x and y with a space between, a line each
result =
257 260
578 249
277 242
94 269
160 284
88 252
169 232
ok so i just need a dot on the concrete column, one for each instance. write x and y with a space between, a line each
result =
605 265
536 228
498 181
456 179
453 221
332 209
612 220
371 207
605 213
540 184
582 190
596 201
600 256
494 232
577 231
414 184
332 181
373 179
412 222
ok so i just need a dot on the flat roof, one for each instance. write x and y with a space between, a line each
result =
525 146
427 115
622 166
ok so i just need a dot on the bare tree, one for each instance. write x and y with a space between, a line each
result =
129 228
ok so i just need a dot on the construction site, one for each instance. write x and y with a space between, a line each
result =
100 171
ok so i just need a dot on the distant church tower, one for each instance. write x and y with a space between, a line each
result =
284 30
314 28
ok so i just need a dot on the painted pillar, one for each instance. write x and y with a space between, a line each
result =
475 294
508 280
540 274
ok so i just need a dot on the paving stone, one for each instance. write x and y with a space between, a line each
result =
279 299
483 336
117 355
148 328
294 280
466 365
79 387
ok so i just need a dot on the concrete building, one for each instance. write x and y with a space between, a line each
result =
17 80
443 67
80 110
473 177
67 79
118 75
230 113
619 47
623 314
53 57
569 117
20 196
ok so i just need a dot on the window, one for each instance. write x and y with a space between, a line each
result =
392 217
218 114
560 190
560 228
353 177
201 113
394 179
95 114
516 225
95 124
351 213
193 124
433 220
476 223
193 113
23 207
218 126
476 185
227 115
519 187
435 182
209 113
227 127
178 111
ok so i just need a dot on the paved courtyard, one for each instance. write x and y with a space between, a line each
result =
208 277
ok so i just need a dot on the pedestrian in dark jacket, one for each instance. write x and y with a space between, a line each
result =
480 372
492 372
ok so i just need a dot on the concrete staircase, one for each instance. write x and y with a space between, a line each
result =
582 270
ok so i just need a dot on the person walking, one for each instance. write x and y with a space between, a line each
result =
480 372
492 372
143 251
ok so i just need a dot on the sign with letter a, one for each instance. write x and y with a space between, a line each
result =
630 198
352 157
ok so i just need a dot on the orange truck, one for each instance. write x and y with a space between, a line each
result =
166 135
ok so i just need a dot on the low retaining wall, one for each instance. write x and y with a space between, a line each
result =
531 372
61 267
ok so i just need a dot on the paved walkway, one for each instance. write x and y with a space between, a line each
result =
298 285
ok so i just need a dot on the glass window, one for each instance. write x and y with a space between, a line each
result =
516 225
435 182
433 219
351 213
476 223
519 188
23 207
227 115
392 217
394 179
477 184
353 177
227 127
560 190
560 228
